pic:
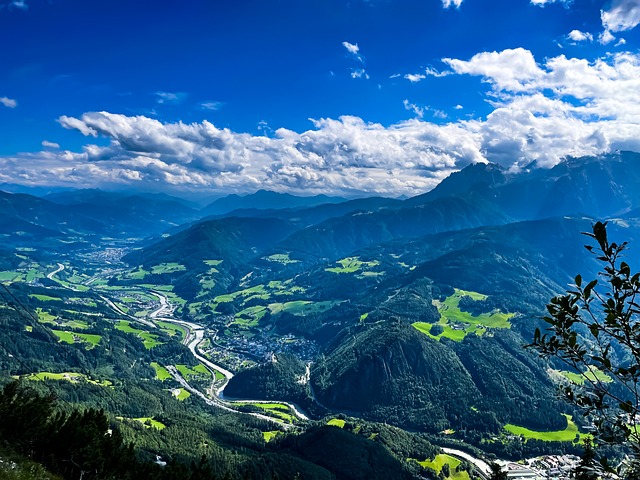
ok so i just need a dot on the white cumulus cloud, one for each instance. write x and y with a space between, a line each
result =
542 3
8 102
512 69
353 49
414 77
359 73
48 144
541 111
622 15
451 3
578 36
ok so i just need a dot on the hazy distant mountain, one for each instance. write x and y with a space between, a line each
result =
92 212
263 200
602 186
97 196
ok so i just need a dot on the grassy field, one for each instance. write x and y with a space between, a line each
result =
172 329
149 422
181 394
10 276
249 317
569 434
440 461
161 373
268 436
45 317
593 374
197 371
150 340
65 376
336 422
277 410
352 265
282 258
302 307
45 298
457 324
70 337
168 268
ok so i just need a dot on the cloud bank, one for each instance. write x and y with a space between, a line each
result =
541 111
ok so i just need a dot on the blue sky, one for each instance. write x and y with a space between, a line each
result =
342 97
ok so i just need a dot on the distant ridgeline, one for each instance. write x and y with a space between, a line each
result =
411 313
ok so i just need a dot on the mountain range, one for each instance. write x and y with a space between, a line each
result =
409 312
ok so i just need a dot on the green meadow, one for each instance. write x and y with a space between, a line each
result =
149 422
440 461
336 422
162 373
569 434
592 374
172 329
65 376
268 436
276 410
282 258
70 337
45 298
181 394
199 371
150 340
168 268
352 265
457 324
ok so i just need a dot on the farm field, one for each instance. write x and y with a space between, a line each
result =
149 340
45 298
162 373
457 324
65 376
352 265
268 436
172 329
336 422
91 340
277 410
149 422
593 375
180 394
569 434
440 461
197 371
282 258
167 268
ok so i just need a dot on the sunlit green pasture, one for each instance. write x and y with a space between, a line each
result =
197 371
336 422
45 298
150 340
352 265
592 375
569 434
440 461
282 258
65 376
172 329
162 373
167 268
457 324
71 337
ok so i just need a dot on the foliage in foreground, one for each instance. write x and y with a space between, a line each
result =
596 325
